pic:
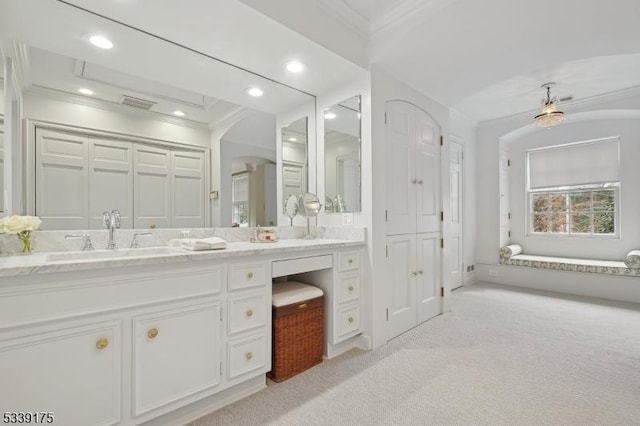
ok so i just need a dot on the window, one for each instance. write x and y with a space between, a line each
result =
240 200
574 211
573 189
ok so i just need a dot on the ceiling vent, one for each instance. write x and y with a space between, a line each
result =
143 104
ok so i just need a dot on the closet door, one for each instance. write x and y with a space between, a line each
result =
427 157
401 278
429 277
110 180
401 177
187 189
62 180
152 187
293 179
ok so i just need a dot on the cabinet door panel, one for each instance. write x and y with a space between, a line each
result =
187 182
401 200
66 373
166 341
62 162
110 180
401 282
246 356
152 187
428 281
1 166
427 156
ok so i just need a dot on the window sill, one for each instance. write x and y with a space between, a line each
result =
609 267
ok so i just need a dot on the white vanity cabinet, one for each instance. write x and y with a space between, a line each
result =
248 348
348 276
166 341
72 370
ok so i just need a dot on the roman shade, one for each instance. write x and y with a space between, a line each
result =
575 164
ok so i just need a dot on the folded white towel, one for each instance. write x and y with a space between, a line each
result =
212 243
511 250
633 259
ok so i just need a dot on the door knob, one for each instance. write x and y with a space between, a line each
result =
152 333
102 344
414 181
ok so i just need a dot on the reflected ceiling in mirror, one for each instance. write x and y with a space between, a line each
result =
342 157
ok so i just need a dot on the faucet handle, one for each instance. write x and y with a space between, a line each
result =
106 219
86 241
134 239
115 215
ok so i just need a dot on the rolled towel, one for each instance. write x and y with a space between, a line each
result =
196 244
633 259
511 250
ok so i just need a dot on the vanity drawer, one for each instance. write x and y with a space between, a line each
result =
347 321
246 313
348 261
247 355
247 275
348 287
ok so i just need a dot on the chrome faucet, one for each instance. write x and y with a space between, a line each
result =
111 221
86 241
134 240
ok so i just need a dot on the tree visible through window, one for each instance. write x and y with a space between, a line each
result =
574 211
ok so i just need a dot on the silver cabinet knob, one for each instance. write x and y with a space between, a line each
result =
414 181
420 182
350 319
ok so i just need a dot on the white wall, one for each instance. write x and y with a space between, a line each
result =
490 138
385 88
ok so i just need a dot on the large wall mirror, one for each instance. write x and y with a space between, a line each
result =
166 135
342 157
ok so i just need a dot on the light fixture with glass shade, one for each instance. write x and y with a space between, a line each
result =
550 116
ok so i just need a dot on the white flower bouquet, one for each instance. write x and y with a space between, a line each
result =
22 227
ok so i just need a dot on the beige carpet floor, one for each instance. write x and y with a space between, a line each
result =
503 356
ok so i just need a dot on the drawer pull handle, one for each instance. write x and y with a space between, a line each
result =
249 355
152 333
302 306
102 344
250 275
350 261
249 313
350 319
350 288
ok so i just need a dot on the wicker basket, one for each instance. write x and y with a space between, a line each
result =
298 337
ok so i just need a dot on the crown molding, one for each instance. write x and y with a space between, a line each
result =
232 117
590 101
348 16
20 63
114 107
406 11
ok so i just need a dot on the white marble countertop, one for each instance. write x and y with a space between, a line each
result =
37 263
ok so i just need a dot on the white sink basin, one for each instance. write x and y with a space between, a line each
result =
111 254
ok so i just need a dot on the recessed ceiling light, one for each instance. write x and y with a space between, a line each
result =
255 92
179 113
330 115
101 42
85 91
292 139
294 66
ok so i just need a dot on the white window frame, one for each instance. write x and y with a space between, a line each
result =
615 186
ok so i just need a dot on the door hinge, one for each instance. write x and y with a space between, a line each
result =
441 216
386 215
220 314
441 140
221 368
508 163
385 118
509 234
386 251
441 291
441 242
387 314
508 215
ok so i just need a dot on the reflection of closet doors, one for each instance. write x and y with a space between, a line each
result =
292 179
152 169
348 167
62 180
187 189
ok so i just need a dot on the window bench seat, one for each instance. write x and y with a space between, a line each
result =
610 267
